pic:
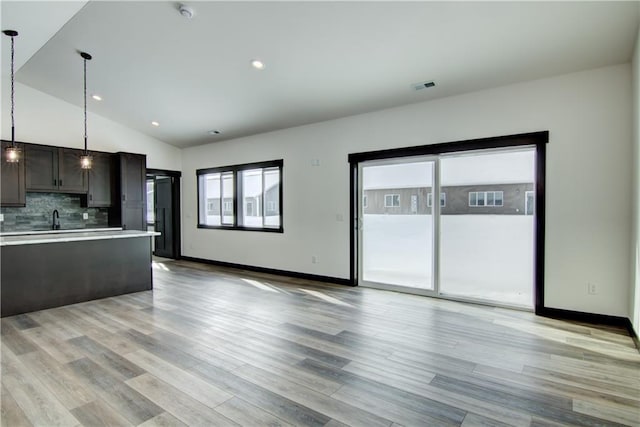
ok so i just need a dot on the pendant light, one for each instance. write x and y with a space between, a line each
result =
86 160
12 152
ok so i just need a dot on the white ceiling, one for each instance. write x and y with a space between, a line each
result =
323 59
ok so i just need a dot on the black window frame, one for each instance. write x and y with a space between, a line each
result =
237 214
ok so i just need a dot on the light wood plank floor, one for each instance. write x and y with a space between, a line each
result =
212 346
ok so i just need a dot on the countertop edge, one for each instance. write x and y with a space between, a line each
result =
54 232
123 234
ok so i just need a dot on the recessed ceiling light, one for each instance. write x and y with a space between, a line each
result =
96 97
214 132
155 123
257 64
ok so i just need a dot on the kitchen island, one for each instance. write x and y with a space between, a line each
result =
52 269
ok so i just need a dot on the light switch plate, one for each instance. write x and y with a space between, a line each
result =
1 217
85 215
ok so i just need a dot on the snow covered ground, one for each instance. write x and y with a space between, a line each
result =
482 256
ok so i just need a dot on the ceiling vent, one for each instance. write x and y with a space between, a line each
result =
423 85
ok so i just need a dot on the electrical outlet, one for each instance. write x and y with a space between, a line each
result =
85 215
1 217
314 259
315 162
591 289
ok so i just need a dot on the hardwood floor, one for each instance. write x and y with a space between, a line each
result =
212 346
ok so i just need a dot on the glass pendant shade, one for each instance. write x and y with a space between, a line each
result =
12 154
86 161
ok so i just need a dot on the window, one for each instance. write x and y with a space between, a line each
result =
213 207
486 198
443 200
391 200
241 197
529 203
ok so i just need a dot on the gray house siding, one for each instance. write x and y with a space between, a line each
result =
456 200
376 201
253 203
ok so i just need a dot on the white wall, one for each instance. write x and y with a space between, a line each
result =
634 294
588 180
44 119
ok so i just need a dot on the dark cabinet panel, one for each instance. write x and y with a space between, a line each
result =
100 182
42 167
13 191
54 169
71 177
130 208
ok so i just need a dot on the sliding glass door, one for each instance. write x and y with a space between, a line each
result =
397 223
487 230
476 242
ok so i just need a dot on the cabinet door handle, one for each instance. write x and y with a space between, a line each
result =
90 196
55 183
60 183
124 197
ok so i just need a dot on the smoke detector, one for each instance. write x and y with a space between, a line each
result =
186 11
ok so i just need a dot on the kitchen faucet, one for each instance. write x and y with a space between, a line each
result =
56 220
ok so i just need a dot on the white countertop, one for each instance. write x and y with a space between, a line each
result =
60 236
75 230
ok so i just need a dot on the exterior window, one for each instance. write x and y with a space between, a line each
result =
228 207
241 197
213 207
391 200
529 203
443 200
486 198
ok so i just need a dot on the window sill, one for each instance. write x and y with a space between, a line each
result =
242 228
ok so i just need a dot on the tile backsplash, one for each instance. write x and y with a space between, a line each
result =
38 214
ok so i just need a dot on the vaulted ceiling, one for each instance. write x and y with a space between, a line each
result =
323 59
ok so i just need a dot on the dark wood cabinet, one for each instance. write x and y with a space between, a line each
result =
42 167
129 210
13 192
71 177
100 194
54 169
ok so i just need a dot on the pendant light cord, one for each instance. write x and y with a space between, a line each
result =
85 106
13 103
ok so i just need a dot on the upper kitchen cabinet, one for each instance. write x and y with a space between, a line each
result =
54 169
42 167
129 210
71 177
13 191
100 194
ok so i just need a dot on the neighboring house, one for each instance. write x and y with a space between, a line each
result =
252 204
490 199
